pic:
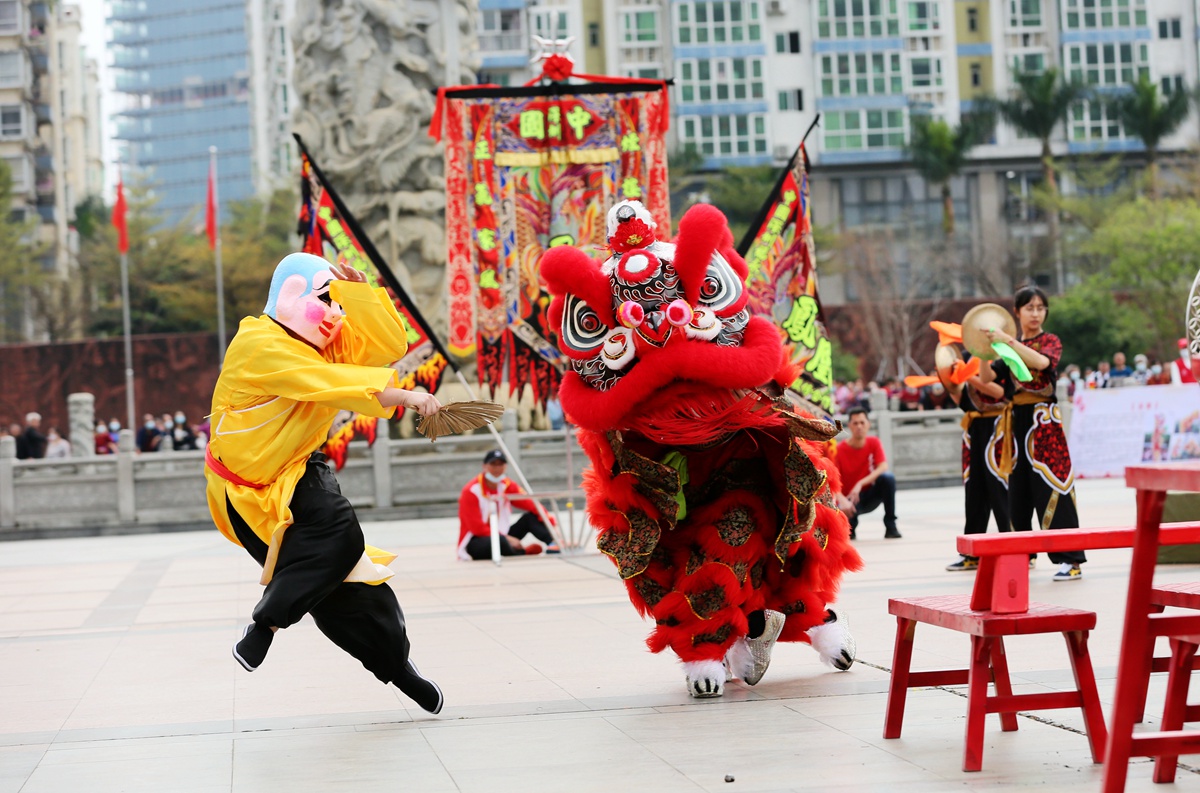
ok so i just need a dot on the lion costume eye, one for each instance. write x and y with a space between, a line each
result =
582 329
722 288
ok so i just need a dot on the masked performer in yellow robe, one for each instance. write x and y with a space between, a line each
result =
323 344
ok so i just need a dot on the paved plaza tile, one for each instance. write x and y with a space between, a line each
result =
116 675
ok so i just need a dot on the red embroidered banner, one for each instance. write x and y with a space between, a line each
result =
528 168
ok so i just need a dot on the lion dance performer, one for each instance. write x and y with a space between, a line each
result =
286 376
711 495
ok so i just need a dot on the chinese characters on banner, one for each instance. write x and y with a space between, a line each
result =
526 169
781 258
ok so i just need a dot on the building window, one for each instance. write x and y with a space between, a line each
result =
973 19
718 22
720 80
1029 63
861 74
1170 28
1084 14
1025 13
1172 83
788 43
726 136
639 27
976 75
12 121
1108 64
10 16
19 166
549 23
922 15
791 100
842 19
501 30
11 72
1094 121
593 34
926 72
851 130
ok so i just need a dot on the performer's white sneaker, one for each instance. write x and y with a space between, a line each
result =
705 679
760 648
833 642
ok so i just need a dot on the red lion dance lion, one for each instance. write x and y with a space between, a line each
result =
710 493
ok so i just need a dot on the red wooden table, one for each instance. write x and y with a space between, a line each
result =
1143 625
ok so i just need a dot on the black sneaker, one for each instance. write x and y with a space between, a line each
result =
251 649
421 690
892 534
963 563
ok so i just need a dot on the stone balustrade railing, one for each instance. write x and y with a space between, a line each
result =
164 491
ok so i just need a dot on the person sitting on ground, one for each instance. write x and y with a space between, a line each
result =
31 443
475 510
865 479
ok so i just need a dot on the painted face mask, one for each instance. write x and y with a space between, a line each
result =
299 299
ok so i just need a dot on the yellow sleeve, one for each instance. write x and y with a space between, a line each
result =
296 371
373 332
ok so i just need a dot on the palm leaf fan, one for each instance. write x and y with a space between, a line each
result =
459 417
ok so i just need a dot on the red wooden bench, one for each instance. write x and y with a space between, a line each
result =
999 606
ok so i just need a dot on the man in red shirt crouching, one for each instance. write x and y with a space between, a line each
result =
475 508
865 479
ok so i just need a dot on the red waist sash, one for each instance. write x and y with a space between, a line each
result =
218 468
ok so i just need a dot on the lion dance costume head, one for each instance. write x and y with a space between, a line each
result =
710 493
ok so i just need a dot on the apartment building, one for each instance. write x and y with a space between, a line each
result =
271 56
49 137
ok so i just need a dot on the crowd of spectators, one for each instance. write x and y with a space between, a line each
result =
848 395
32 444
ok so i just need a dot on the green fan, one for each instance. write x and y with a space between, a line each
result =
1015 364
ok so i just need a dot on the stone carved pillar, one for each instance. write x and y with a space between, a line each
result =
366 74
81 414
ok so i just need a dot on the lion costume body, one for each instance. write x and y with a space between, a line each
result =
712 496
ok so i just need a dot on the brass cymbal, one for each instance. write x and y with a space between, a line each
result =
986 316
944 359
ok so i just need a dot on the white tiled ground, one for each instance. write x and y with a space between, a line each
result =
115 675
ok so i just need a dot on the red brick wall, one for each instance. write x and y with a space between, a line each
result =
172 372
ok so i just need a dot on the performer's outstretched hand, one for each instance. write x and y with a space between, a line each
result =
425 404
344 271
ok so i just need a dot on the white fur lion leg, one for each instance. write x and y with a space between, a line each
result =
705 679
833 642
738 660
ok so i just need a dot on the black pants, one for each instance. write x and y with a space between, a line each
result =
1028 492
882 492
985 492
480 548
318 551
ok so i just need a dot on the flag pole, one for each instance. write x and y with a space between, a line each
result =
216 243
123 246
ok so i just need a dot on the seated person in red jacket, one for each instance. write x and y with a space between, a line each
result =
475 508
865 481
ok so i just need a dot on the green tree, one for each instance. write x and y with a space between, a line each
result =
26 283
1093 324
939 151
1142 112
740 192
1039 103
172 278
1150 251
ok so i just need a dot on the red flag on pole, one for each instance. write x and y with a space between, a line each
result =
211 204
118 219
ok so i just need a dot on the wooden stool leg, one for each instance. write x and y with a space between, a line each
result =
1141 711
977 682
1085 682
898 689
1178 679
1008 721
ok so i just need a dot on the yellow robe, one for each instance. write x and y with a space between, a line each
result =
275 401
